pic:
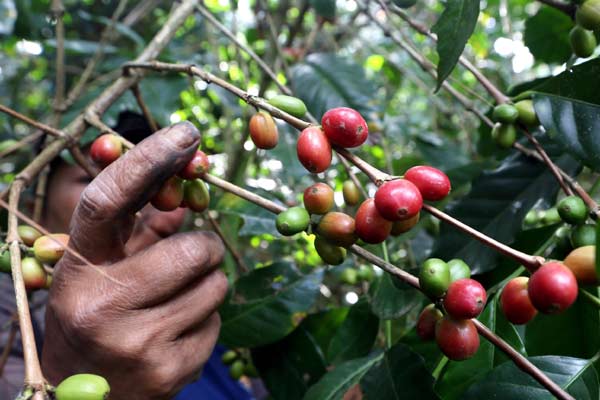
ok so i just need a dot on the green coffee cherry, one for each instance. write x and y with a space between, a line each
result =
50 248
572 210
289 104
551 216
250 370
83 387
583 235
329 253
195 195
504 135
349 276
527 115
404 3
458 270
583 42
28 234
588 15
237 369
563 240
293 220
531 218
229 357
5 262
505 113
434 278
366 273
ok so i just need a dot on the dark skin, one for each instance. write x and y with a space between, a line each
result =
149 324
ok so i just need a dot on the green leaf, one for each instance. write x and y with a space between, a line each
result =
267 304
401 374
257 220
334 384
547 35
289 367
496 205
576 375
391 302
325 8
324 81
565 334
324 325
454 28
356 335
574 83
572 124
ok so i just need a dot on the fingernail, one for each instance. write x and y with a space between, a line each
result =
184 134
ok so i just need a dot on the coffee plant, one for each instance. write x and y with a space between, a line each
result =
407 189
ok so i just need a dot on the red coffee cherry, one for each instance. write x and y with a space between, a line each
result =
106 149
398 200
515 302
169 196
318 198
345 127
263 130
338 228
400 227
370 225
457 338
314 150
197 167
432 183
465 299
552 288
34 274
427 322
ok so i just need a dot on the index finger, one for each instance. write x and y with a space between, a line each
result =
103 219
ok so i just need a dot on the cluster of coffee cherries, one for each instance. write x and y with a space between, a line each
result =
554 286
458 299
239 363
42 250
507 116
582 37
182 190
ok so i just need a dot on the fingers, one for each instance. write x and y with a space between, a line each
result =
197 345
161 271
193 304
103 219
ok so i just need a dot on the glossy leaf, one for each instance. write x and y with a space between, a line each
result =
547 35
391 302
267 304
401 374
496 205
334 384
290 366
324 81
577 376
454 28
356 335
256 220
574 83
572 124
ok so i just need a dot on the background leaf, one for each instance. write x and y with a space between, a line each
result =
267 304
454 28
574 125
547 35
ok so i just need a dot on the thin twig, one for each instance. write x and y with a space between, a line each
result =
40 194
33 371
234 253
140 100
94 120
208 15
43 127
9 343
57 10
21 143
553 168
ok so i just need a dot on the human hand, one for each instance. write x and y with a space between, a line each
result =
148 323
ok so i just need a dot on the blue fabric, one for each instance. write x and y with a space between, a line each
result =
215 382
